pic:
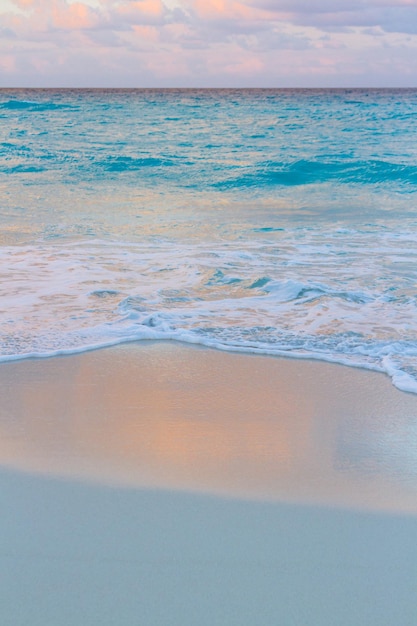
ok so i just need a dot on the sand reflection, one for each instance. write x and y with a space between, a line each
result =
170 416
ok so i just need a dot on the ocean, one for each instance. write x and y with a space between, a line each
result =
277 222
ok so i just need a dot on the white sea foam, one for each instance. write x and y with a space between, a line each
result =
277 298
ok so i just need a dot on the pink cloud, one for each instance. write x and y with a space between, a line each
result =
75 16
24 4
146 42
146 33
8 63
47 15
228 9
140 11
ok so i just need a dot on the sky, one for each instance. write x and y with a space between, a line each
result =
208 43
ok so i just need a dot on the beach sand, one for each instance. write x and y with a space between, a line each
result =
164 484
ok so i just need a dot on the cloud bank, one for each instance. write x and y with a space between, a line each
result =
275 43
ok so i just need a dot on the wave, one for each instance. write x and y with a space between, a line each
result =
12 105
22 169
156 327
288 290
128 163
341 295
305 172
24 105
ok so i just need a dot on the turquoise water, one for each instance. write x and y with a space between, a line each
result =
277 222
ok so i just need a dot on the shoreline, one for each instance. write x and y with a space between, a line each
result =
404 384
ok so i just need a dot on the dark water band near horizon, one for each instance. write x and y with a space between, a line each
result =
280 222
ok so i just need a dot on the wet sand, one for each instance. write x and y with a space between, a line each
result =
171 484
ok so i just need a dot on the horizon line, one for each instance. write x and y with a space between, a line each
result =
193 88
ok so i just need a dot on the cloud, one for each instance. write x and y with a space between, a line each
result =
77 16
216 20
220 42
389 15
60 14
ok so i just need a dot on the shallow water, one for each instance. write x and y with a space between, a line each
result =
277 222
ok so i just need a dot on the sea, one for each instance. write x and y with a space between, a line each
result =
267 221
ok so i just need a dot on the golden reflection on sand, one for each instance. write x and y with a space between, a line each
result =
178 417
